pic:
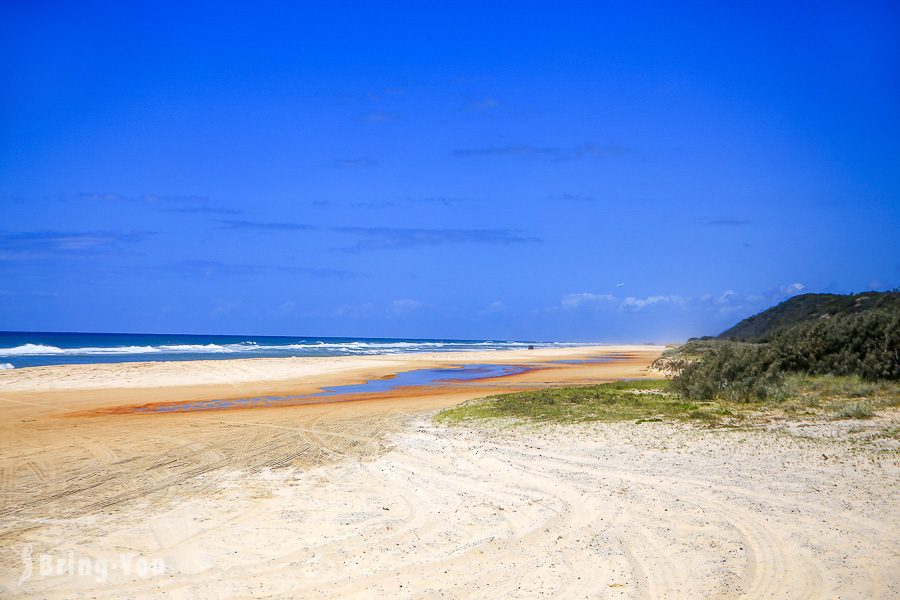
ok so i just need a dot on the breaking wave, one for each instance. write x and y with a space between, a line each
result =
309 348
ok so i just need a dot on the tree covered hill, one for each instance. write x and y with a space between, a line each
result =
856 335
807 308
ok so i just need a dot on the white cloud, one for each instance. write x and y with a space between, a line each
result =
794 288
378 117
728 301
483 104
573 301
726 297
405 305
640 303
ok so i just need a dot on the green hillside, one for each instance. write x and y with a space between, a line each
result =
856 335
806 308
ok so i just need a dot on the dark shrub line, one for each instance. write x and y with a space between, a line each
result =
865 344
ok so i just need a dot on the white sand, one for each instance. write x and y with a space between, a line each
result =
613 511
370 500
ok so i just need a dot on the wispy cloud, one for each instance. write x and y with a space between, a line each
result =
497 306
573 198
30 293
727 222
588 300
379 117
210 268
548 153
203 210
354 163
385 238
164 203
634 303
38 244
727 302
376 205
441 201
575 301
104 197
264 226
726 297
148 198
405 305
485 104
793 289
447 201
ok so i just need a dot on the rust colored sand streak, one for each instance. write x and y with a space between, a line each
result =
448 386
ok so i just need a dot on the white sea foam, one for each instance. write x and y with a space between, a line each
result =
249 347
4 366
42 350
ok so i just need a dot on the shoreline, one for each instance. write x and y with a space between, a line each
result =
63 389
35 349
203 371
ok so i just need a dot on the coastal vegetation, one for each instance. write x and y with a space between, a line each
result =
819 397
815 355
815 334
807 308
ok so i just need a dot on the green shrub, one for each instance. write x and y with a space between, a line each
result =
725 371
854 343
854 410
864 344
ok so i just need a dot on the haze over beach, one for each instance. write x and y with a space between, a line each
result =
506 300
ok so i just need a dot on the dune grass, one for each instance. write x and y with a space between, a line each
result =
842 397
854 410
644 400
654 400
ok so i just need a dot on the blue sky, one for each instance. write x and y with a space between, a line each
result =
570 171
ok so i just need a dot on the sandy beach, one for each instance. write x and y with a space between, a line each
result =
364 496
314 300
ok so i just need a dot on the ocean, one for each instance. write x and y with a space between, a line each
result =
29 349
